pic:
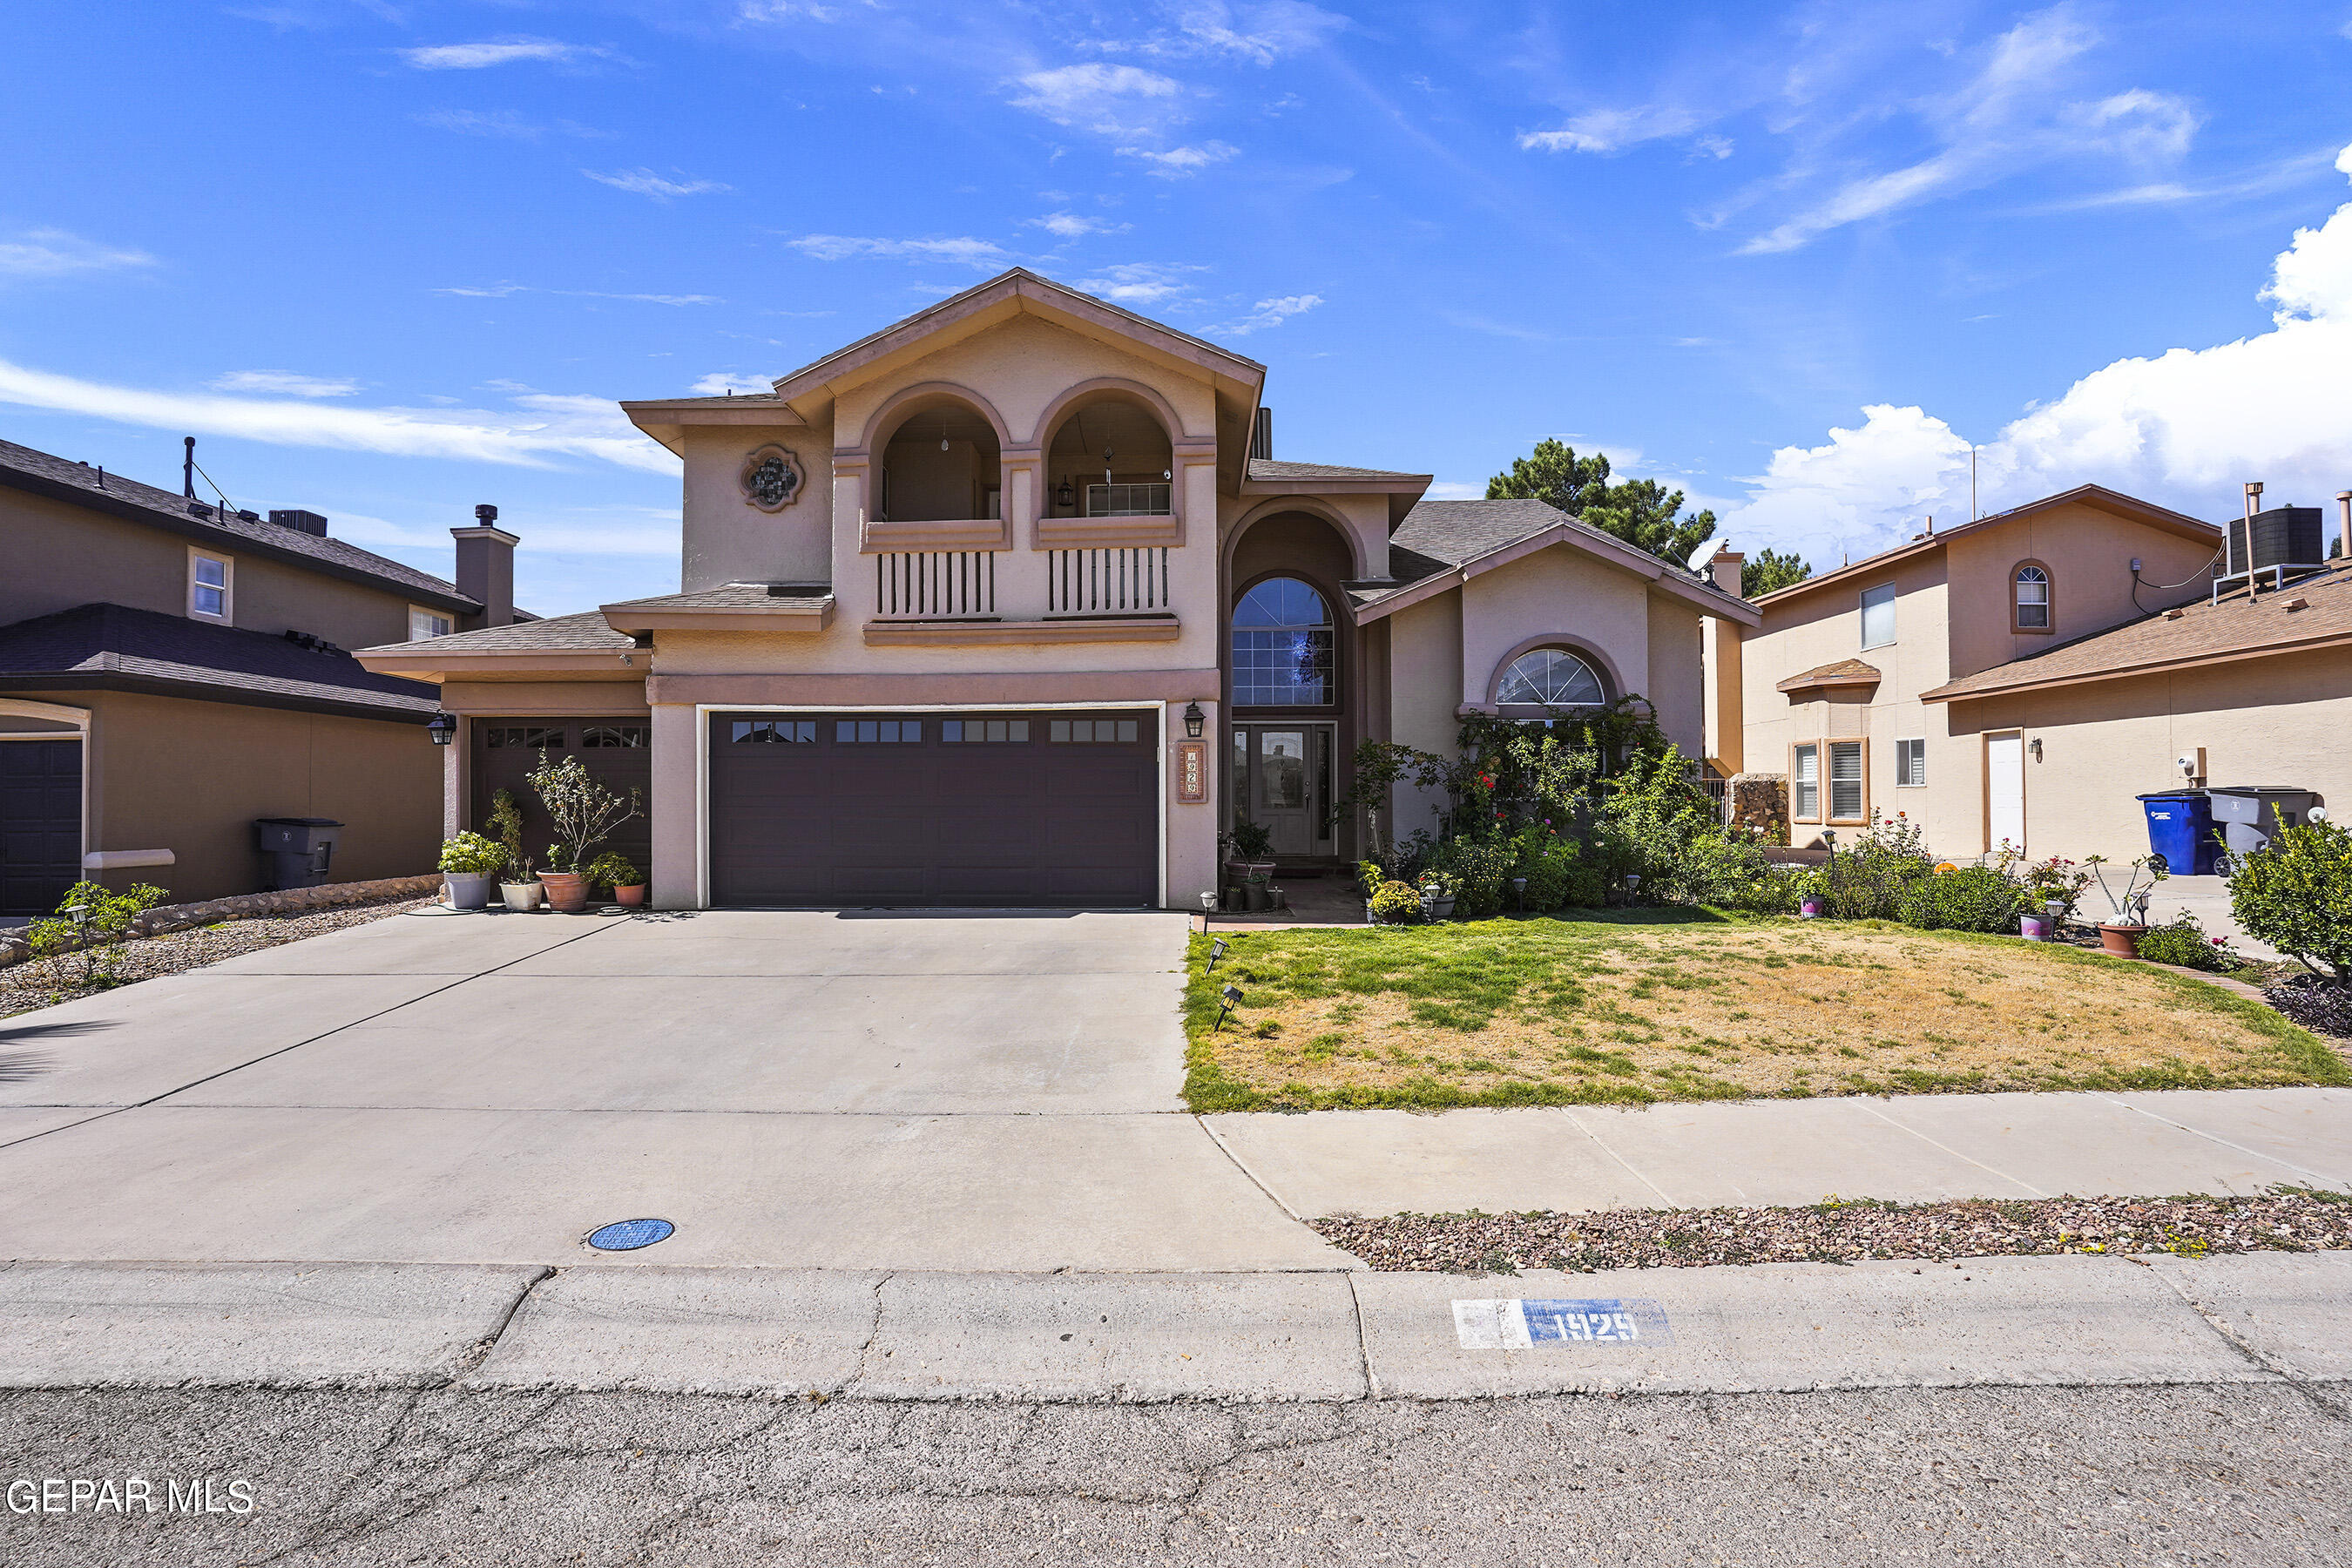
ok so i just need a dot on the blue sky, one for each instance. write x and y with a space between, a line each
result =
387 260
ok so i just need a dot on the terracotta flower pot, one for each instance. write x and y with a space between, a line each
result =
2121 940
633 894
567 891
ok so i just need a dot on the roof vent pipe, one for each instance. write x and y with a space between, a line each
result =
188 467
2254 497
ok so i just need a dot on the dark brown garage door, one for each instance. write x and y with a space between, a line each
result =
40 824
617 752
981 810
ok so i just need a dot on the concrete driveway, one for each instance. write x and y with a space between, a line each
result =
804 1090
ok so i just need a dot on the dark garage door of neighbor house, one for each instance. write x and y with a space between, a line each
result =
981 810
617 751
40 824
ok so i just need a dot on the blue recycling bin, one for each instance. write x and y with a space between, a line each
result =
2180 831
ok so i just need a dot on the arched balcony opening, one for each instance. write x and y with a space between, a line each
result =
1109 456
943 463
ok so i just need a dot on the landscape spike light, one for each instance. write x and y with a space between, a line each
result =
1231 995
1216 951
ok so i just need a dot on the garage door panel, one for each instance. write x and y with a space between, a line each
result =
970 823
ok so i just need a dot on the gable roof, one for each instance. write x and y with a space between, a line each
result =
45 474
1450 541
2114 503
1844 672
2242 626
114 646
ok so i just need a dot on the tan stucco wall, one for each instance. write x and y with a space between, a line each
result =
1562 593
1424 694
1952 618
59 556
728 540
190 777
1677 688
2261 721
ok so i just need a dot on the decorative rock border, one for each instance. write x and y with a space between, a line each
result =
15 948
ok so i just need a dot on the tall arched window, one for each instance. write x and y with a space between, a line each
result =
1282 646
1549 678
2032 598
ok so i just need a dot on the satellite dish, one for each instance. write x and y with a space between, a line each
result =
1706 551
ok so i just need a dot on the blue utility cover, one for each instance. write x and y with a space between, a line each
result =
628 1235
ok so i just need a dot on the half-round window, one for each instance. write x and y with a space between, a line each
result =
1549 677
2032 599
1282 646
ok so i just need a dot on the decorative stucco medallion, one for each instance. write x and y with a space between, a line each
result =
772 478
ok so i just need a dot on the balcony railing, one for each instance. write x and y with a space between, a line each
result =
1127 500
1108 582
936 585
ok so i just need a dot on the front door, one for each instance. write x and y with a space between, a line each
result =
2004 792
1282 781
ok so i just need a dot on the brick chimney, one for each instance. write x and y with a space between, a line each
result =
486 566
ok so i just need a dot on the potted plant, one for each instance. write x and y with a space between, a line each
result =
584 813
1394 903
519 890
469 864
2121 935
1438 891
616 871
1249 851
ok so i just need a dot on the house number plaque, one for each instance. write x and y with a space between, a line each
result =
1192 772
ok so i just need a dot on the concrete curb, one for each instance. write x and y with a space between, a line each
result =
1161 1338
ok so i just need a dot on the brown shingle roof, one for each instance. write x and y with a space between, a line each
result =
44 473
1281 469
736 597
1844 672
582 633
2202 632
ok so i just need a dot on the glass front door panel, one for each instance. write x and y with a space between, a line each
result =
1282 770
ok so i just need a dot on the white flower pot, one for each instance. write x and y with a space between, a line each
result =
521 896
469 889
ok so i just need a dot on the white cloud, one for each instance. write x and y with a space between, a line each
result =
478 57
537 428
1112 100
474 122
504 291
53 253
1614 130
285 383
963 250
1139 283
646 182
1178 163
718 383
1260 33
785 11
592 530
1273 314
2183 428
1070 225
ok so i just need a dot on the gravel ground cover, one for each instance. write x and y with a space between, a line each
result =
1638 1007
2287 1220
44 982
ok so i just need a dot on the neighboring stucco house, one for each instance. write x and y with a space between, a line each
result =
2019 678
1012 604
170 671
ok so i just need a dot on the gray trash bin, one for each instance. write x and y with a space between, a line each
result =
2248 815
299 849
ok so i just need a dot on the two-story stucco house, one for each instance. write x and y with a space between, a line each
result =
172 669
1874 687
1012 604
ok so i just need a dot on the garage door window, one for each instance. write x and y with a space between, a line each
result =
531 737
635 736
780 731
986 731
1094 731
870 731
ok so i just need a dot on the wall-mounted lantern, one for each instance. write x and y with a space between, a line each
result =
1194 720
443 728
1065 496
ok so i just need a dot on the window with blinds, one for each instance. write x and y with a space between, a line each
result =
1845 781
1910 764
1878 616
1806 785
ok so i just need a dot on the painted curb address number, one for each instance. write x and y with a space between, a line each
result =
1512 1324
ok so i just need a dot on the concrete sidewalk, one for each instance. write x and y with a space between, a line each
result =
2073 1321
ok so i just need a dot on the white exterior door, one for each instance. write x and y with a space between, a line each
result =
2004 792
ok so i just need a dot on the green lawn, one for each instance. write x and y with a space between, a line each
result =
1657 1005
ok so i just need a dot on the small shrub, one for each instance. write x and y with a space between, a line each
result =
1483 869
471 855
1396 902
612 869
2297 896
584 812
1974 898
2182 940
98 920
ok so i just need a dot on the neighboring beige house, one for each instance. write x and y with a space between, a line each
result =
1901 683
171 669
1012 604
